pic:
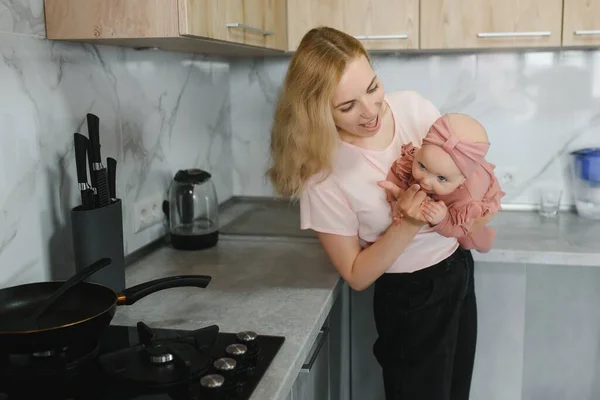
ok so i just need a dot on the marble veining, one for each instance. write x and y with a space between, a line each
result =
22 17
159 112
536 106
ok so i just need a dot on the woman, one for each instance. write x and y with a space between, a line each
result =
334 138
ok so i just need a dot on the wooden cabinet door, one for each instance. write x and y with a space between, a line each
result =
253 22
303 15
110 19
210 19
383 24
459 24
581 23
265 23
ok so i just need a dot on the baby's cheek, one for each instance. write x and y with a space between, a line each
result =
454 187
416 172
447 188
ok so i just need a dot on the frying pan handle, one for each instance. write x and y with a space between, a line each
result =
135 293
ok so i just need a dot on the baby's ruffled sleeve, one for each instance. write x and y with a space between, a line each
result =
401 170
492 197
460 218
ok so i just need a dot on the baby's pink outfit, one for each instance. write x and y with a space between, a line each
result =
479 195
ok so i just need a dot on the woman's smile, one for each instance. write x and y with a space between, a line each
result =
373 125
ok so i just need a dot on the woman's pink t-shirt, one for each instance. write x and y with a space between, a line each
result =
349 202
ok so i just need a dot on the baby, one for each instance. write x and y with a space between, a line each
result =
451 168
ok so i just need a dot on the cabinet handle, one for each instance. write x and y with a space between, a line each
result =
590 32
248 28
316 349
512 34
381 37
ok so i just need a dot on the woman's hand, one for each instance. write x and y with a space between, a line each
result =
408 203
360 267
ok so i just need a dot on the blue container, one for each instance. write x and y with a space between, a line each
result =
587 165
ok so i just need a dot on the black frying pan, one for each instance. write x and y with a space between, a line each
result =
81 314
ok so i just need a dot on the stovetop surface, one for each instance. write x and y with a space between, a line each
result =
119 366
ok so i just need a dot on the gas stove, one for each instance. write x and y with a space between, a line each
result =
143 363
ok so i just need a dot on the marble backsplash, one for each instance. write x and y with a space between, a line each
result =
536 106
159 112
163 111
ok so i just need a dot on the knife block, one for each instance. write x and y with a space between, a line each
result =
98 233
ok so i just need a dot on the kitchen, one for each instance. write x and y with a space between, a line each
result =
161 111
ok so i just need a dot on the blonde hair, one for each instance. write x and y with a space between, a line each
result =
304 136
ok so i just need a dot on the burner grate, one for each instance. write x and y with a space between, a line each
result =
50 363
162 362
136 362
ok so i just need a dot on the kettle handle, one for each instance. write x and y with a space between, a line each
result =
165 208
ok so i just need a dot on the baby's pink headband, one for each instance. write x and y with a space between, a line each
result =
467 156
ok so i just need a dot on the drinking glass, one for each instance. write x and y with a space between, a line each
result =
550 197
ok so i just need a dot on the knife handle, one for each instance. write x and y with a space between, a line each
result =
93 182
111 165
81 146
94 131
103 196
87 199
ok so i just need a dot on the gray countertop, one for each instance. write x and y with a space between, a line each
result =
521 236
274 288
271 277
526 237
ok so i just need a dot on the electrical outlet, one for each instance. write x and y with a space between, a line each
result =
147 212
507 177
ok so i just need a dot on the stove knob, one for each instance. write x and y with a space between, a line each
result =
236 350
225 364
247 338
213 381
226 367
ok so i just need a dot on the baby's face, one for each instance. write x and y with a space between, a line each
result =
435 172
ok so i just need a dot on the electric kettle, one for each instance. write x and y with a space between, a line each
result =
192 211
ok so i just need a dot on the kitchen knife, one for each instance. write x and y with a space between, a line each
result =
87 193
99 171
111 165
91 165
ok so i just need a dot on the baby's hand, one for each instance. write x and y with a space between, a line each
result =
434 211
397 212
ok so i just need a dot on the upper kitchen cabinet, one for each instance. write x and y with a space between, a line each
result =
303 15
379 24
581 23
251 22
383 24
226 27
469 24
